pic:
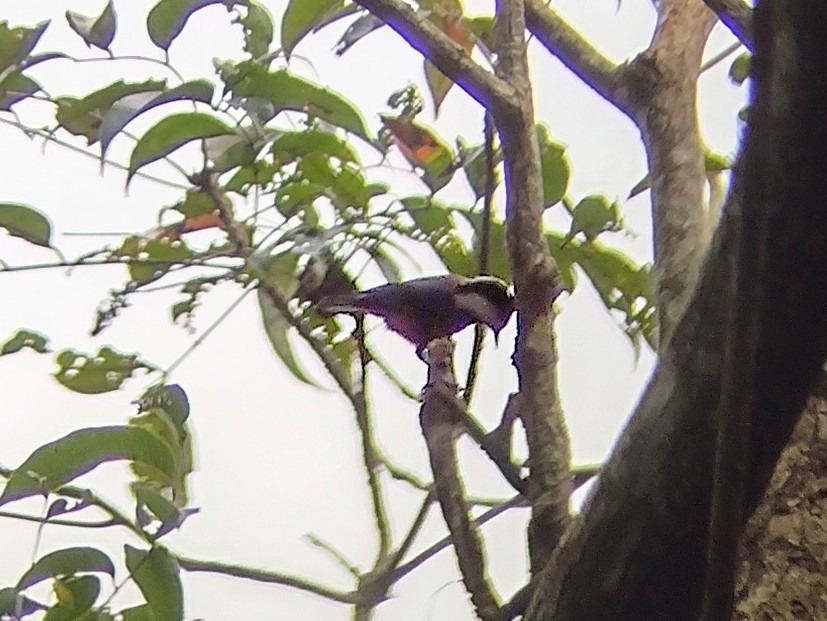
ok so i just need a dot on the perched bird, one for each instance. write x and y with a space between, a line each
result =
424 309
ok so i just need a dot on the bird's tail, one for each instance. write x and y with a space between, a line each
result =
345 303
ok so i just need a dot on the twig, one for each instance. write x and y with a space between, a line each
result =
269 577
483 251
446 542
107 261
68 145
335 554
369 453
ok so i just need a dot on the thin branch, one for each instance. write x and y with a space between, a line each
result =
575 52
735 15
68 145
268 577
446 542
207 183
58 521
447 55
369 453
484 249
107 261
335 554
413 532
720 56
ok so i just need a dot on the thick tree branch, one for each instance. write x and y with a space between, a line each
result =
535 275
663 86
735 15
448 56
645 528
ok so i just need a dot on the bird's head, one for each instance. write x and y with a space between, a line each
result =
488 300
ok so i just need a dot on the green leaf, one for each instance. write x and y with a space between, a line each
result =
555 167
302 16
740 68
55 464
292 145
281 274
167 18
124 110
157 575
17 43
13 605
137 613
438 84
83 117
75 596
27 223
594 215
66 562
290 92
172 399
358 29
258 29
95 31
15 88
104 372
172 133
25 338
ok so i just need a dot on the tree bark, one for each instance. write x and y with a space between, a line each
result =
638 549
782 573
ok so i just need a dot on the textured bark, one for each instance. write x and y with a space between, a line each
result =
783 558
664 107
535 275
637 552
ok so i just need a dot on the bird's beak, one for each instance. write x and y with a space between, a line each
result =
496 337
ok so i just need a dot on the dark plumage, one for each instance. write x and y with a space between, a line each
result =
429 308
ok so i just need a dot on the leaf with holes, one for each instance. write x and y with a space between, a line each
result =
258 29
57 463
25 339
96 31
172 133
104 372
26 223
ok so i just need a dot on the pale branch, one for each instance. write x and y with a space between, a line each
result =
439 424
447 55
370 456
267 577
535 279
446 542
578 54
735 15
412 534
663 84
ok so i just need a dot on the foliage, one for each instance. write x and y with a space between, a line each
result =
305 155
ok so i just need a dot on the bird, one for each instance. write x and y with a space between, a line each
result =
432 307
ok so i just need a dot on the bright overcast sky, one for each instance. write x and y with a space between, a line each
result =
277 460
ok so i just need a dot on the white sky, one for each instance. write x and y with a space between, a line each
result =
276 459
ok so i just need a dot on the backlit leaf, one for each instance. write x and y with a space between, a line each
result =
26 223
